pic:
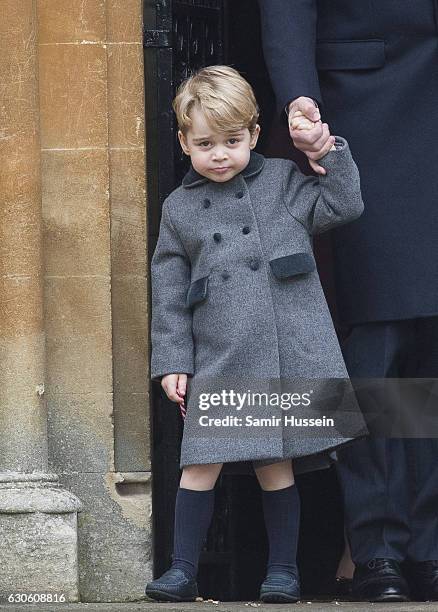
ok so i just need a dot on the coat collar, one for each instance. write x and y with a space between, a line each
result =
255 165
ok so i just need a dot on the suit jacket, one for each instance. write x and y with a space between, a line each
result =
373 67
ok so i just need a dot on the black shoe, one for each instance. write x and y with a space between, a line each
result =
280 587
379 580
173 585
423 580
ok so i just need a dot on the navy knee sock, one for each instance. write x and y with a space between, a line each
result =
193 512
281 510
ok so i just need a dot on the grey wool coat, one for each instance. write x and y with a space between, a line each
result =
237 302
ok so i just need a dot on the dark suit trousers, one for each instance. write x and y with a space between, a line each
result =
390 485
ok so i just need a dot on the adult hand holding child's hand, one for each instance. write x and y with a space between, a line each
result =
308 133
175 386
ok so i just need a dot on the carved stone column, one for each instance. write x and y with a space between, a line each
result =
38 519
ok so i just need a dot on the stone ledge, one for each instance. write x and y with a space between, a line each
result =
35 492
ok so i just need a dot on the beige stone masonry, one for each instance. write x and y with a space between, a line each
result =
74 345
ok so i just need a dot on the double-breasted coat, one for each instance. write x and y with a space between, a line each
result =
236 295
373 67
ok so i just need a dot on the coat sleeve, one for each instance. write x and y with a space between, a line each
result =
289 46
171 322
326 201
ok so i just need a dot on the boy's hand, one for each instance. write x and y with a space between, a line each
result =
300 122
175 386
314 141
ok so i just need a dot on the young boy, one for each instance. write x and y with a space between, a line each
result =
236 294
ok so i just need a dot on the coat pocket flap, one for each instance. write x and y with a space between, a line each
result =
350 54
197 291
291 265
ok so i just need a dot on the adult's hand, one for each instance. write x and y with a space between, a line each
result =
316 142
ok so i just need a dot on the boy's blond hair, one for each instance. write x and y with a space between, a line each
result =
224 97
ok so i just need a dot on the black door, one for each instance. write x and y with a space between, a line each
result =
180 37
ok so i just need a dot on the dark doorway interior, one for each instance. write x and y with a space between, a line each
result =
179 37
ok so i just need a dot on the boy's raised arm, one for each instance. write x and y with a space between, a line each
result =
326 201
171 324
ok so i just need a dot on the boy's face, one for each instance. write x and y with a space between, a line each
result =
219 156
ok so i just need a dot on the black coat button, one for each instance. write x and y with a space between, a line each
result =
240 195
254 263
207 203
217 236
246 229
225 275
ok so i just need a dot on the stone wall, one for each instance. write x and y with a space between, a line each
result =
74 343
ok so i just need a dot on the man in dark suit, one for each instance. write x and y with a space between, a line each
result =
371 68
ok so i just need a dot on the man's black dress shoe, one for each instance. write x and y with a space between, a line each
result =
280 587
173 585
423 580
379 580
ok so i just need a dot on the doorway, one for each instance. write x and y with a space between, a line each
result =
180 37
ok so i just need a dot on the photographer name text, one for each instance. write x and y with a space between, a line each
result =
287 420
